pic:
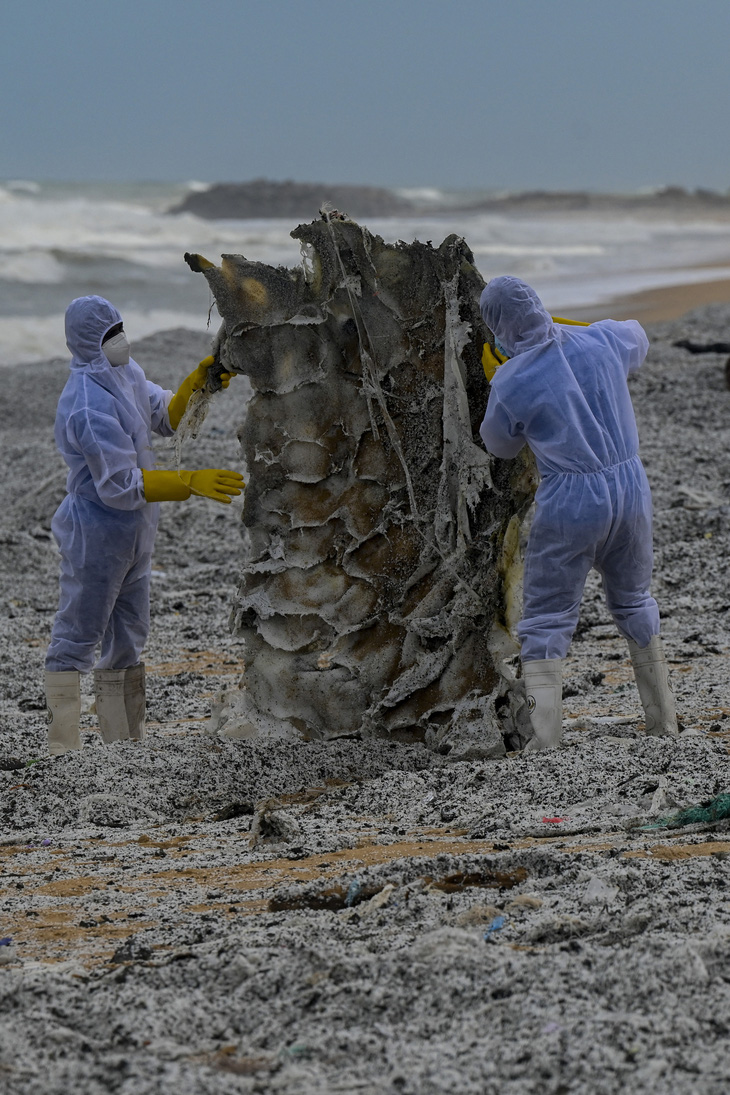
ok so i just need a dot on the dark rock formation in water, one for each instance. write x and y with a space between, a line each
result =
293 200
381 564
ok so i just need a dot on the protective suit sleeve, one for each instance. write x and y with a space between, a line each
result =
627 338
501 436
110 456
159 403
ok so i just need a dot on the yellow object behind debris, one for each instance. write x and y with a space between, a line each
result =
491 360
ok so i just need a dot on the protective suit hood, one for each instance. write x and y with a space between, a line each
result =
514 313
87 321
106 414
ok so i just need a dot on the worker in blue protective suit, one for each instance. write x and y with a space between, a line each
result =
105 527
563 391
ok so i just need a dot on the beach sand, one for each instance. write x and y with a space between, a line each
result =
199 916
660 305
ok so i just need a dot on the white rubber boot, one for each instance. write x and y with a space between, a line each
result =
120 703
544 688
655 690
63 700
135 701
110 708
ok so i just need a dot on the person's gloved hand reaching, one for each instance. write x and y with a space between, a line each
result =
193 383
216 483
491 360
220 484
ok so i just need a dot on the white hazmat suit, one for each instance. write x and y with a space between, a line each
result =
104 527
564 393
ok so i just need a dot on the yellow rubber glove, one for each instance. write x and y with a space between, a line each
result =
164 486
217 483
569 322
190 384
174 486
491 360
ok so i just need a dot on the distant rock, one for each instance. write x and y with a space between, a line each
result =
292 200
672 199
297 201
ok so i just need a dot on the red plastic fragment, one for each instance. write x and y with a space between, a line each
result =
554 820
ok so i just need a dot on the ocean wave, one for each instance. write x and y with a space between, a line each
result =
538 251
31 267
132 233
23 186
64 240
426 194
24 339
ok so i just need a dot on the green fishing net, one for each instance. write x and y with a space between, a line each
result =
714 810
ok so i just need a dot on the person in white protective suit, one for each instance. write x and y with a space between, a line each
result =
563 391
105 527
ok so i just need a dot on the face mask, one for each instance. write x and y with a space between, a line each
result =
498 345
116 350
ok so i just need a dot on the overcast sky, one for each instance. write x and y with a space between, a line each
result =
519 94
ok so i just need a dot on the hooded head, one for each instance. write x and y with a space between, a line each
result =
514 313
87 321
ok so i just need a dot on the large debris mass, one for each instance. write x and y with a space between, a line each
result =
382 538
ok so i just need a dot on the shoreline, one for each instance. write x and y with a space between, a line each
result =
659 305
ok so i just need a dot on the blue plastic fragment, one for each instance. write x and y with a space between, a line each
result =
497 924
353 893
299 1049
7 941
